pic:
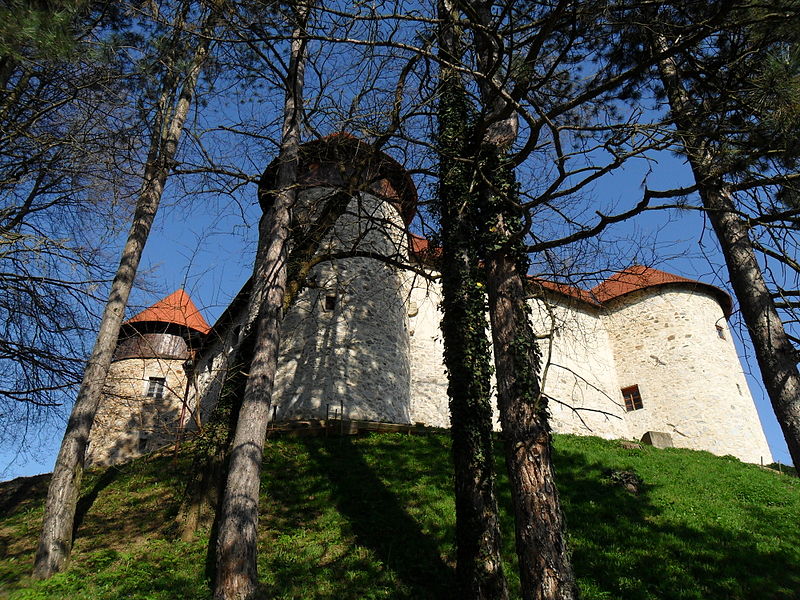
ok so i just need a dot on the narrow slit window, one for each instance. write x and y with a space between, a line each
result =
330 302
632 397
720 332
155 387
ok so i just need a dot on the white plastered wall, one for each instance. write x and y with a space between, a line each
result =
578 369
355 355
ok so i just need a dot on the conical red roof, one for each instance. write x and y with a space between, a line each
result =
176 308
634 278
638 277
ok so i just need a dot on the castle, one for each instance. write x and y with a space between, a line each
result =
645 351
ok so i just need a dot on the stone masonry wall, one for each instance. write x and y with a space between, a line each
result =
128 422
345 340
429 400
691 381
578 369
580 372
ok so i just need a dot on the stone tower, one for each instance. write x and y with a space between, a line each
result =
345 341
146 400
677 366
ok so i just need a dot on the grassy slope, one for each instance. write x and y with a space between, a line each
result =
372 517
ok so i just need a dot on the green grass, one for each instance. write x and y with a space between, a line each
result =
372 517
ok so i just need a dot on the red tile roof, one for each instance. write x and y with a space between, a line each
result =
176 308
421 247
638 277
634 278
567 290
388 176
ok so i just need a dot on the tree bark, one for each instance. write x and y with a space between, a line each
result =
545 564
479 568
774 351
237 569
55 542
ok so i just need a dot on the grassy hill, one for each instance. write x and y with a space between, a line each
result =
372 517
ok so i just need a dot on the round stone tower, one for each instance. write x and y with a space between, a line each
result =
145 399
677 366
345 341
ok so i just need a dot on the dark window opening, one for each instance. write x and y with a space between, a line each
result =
142 443
330 302
632 397
155 387
721 332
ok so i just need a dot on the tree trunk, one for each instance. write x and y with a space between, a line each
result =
479 568
544 561
237 569
55 542
774 351
545 566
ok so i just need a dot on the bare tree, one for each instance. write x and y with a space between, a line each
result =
237 570
176 97
61 74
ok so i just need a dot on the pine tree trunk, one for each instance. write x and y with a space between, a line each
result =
545 566
237 541
55 542
774 351
479 568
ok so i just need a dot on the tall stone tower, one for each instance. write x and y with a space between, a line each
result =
345 339
146 400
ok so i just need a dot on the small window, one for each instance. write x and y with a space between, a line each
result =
720 332
142 443
155 387
632 397
330 302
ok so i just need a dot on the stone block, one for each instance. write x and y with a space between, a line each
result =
657 439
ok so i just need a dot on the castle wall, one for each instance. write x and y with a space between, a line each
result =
578 369
691 381
128 422
345 340
211 371
429 400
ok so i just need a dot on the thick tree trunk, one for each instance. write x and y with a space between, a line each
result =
776 356
479 569
55 542
545 564
237 541
775 353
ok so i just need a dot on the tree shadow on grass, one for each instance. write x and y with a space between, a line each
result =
625 546
389 554
88 499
